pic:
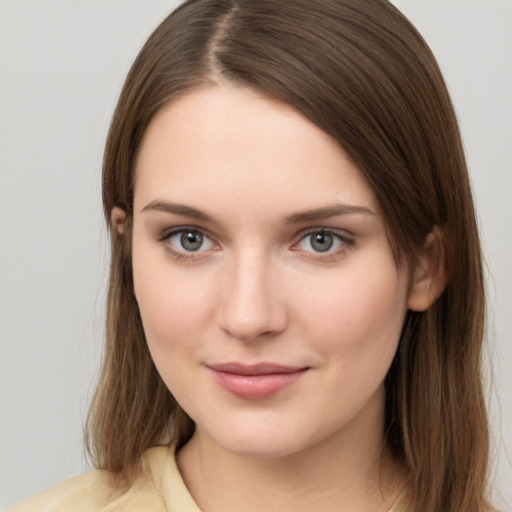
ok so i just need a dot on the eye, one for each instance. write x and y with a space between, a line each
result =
187 240
323 241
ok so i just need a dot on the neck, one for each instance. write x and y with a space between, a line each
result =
351 470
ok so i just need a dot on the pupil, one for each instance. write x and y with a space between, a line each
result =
191 241
322 242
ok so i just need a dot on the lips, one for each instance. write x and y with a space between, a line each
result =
255 382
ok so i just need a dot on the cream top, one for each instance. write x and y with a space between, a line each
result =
157 488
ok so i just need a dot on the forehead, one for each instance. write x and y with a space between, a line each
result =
218 144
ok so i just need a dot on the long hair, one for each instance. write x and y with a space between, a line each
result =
362 73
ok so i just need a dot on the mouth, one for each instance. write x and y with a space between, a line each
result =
258 381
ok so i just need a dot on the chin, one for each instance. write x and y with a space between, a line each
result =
276 441
269 448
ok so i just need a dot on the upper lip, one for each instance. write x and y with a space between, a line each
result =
255 369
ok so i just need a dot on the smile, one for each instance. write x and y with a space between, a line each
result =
255 382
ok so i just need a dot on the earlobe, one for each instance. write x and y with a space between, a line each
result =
118 219
429 278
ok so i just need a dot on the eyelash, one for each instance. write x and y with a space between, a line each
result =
183 254
345 243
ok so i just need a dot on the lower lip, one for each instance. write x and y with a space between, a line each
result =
256 387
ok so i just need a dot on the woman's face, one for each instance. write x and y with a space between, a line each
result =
268 291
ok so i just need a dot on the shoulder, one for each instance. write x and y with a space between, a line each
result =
91 492
101 491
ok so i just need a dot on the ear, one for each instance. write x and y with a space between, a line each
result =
118 218
430 275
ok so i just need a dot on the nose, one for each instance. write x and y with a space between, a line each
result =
252 301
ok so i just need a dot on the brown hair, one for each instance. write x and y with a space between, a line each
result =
362 73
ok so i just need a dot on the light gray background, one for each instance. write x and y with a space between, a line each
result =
62 64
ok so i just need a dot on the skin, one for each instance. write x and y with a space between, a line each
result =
259 290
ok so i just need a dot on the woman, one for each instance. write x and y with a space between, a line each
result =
295 310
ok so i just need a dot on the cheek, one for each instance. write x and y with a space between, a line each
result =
173 302
378 302
360 310
356 327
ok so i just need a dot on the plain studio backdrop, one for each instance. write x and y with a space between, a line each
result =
62 65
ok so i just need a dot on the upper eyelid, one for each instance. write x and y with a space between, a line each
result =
342 233
167 233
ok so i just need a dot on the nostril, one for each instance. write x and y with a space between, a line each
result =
252 319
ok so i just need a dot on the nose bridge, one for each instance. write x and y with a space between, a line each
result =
252 304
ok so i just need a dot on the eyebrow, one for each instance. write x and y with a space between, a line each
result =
315 214
327 212
179 209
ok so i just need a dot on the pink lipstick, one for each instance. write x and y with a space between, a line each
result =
255 382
